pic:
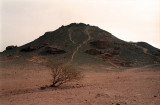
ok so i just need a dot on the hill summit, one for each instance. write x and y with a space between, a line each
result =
82 44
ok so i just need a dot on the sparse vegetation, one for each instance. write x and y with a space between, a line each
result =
62 73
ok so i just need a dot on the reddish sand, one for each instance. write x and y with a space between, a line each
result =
129 87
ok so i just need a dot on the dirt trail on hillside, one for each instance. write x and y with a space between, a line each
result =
70 36
80 45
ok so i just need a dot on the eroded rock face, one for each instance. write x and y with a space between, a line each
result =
93 52
54 50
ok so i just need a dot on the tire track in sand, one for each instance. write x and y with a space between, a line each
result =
80 45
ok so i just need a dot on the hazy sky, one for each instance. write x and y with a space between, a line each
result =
23 21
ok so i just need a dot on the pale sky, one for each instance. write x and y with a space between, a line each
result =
22 21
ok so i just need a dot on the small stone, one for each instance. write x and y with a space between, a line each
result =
42 88
155 96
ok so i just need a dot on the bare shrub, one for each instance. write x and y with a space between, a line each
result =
62 73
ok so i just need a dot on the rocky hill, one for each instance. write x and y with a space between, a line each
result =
82 44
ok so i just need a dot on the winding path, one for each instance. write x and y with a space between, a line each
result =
80 45
70 36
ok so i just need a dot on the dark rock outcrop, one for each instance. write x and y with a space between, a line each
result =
11 47
33 47
54 50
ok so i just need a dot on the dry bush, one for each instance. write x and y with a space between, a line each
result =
62 73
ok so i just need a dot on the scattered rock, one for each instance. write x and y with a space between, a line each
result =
76 24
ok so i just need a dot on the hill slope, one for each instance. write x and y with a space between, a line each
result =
82 44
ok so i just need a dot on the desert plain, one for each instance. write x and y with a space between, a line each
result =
127 86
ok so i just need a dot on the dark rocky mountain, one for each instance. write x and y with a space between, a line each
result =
82 44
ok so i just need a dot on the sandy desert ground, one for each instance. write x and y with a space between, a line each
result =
136 86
